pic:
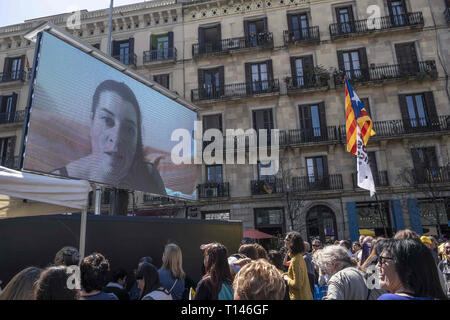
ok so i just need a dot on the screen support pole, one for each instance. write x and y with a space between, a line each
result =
98 200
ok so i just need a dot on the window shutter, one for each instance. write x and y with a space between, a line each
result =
364 64
294 71
115 48
431 108
338 16
365 102
201 79
131 44
7 69
2 108
153 44
323 120
248 77
14 104
350 13
417 162
266 26
404 112
11 145
222 80
269 69
305 118
290 26
325 166
340 56
171 46
308 70
22 63
246 32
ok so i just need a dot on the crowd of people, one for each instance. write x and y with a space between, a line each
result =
405 267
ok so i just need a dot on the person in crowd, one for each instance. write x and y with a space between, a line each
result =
444 266
134 292
148 282
22 285
309 265
171 273
67 256
117 284
276 259
357 251
429 244
94 272
408 272
249 250
216 284
361 240
366 248
117 150
236 262
52 285
346 281
316 245
407 234
348 245
261 253
297 274
259 280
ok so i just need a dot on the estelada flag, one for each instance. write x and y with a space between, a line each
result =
356 115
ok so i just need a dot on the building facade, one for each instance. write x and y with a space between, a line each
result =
280 65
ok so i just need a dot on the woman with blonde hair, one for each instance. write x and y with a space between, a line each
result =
171 274
22 285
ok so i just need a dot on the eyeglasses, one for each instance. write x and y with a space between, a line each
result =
316 245
381 260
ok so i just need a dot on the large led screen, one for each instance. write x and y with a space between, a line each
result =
90 121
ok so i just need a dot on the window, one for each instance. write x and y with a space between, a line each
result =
214 174
397 10
210 39
298 26
211 122
160 46
259 77
270 221
14 69
407 58
424 158
317 169
255 32
96 45
321 224
374 216
418 112
302 71
7 146
211 83
313 121
8 108
215 215
162 79
124 51
354 63
365 102
344 17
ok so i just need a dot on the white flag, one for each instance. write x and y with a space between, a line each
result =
365 178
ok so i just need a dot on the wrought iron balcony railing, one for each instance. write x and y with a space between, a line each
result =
380 178
18 116
307 81
169 54
258 41
127 59
418 70
235 90
306 136
10 162
267 186
213 190
304 35
345 29
311 183
13 76
431 175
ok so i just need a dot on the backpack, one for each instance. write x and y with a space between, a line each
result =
226 292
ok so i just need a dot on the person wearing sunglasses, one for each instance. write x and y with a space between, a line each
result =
407 270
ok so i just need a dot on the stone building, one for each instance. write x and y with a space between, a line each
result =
279 64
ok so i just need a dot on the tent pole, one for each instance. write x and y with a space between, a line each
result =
83 234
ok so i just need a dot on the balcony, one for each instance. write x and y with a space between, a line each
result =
403 71
298 137
16 117
127 59
10 162
149 199
303 36
259 41
213 190
166 55
431 175
324 183
15 76
380 178
237 90
352 28
398 128
316 81
267 186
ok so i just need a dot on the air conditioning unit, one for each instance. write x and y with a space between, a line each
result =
211 192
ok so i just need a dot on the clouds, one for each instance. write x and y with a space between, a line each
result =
17 11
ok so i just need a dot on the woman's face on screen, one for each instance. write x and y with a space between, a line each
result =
114 134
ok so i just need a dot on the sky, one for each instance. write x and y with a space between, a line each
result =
17 11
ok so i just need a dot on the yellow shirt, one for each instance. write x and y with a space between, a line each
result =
299 288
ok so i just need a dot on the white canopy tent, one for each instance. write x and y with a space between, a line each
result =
25 194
